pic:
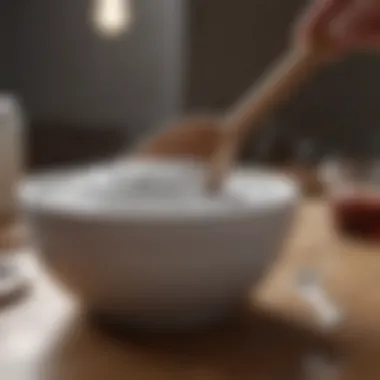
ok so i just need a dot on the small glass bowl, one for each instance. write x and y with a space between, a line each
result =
353 190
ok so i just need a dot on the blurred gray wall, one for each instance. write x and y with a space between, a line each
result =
67 71
8 28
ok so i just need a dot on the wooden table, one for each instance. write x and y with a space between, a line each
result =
45 337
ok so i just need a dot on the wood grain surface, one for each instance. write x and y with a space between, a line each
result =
46 336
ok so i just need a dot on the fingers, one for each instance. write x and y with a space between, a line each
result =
371 37
359 24
321 14
342 24
324 13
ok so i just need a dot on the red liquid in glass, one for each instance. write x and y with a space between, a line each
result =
358 217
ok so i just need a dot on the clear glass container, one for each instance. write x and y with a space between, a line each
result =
11 152
353 189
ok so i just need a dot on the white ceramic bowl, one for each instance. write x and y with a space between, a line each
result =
176 266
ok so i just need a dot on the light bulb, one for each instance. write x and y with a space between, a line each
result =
112 17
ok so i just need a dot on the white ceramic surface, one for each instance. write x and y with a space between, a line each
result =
181 265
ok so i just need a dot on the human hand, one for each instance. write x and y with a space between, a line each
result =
341 25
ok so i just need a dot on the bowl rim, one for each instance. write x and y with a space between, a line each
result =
30 204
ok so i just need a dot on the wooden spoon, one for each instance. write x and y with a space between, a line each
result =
202 136
288 73
196 137
222 141
217 140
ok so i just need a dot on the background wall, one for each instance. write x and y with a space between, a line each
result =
8 16
68 72
180 54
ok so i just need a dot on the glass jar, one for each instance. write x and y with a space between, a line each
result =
11 152
353 189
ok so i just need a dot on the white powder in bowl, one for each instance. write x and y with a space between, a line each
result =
143 188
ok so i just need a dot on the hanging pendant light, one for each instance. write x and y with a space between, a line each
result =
112 17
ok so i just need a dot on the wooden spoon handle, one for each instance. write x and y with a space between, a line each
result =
286 74
289 72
